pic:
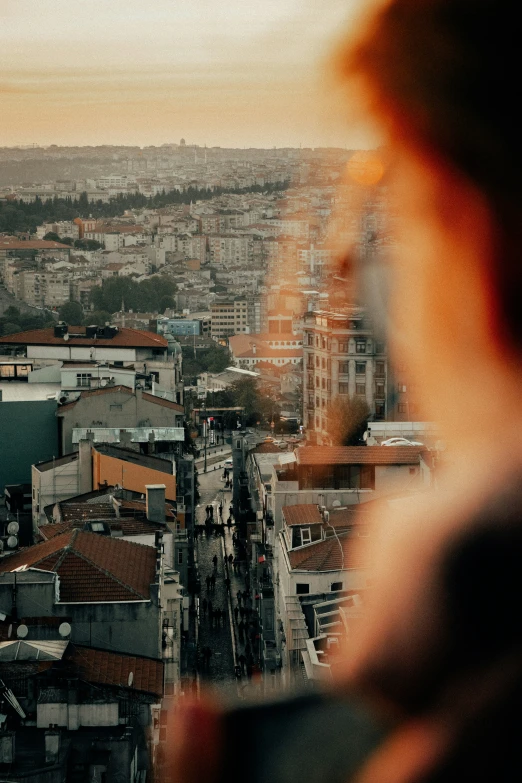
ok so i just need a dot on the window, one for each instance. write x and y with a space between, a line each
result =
379 389
379 369
317 381
323 363
180 557
343 388
360 388
306 536
379 410
116 407
83 379
302 588
360 346
402 407
344 368
360 368
317 361
343 347
336 586
323 383
380 347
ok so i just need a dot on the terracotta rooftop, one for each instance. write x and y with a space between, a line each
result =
12 243
91 567
325 555
305 514
124 337
359 455
108 668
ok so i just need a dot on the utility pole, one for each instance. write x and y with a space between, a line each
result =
205 438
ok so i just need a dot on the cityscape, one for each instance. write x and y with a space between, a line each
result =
196 404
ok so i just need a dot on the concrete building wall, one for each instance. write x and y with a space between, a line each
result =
130 476
29 434
52 486
116 410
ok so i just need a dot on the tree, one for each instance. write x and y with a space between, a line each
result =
166 303
87 244
10 328
12 312
348 420
71 313
51 236
98 317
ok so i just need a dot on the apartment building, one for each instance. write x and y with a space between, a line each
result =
44 289
228 317
227 250
342 358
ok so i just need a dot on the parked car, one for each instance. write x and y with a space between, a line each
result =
401 442
228 463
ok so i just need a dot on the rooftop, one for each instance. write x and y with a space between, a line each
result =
124 337
326 555
108 668
305 514
92 568
359 455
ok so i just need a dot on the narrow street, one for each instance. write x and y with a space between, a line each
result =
231 635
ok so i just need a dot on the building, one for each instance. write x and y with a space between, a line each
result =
105 587
92 468
228 317
328 475
342 359
107 412
145 352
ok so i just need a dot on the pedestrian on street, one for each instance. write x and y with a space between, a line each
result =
204 606
211 509
242 662
227 583
229 522
231 510
213 582
230 558
207 580
238 596
215 561
236 613
221 509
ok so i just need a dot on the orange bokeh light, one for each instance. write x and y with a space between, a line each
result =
365 168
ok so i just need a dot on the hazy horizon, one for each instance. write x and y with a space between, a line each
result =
233 74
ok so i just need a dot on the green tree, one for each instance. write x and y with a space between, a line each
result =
98 317
51 236
12 312
347 420
9 327
166 303
87 244
71 313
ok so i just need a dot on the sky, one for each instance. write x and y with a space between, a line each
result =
231 73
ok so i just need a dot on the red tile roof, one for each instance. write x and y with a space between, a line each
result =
326 555
12 243
359 455
91 567
108 668
304 514
124 337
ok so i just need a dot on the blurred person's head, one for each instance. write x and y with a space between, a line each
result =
437 74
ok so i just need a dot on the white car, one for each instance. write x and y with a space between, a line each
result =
401 442
228 463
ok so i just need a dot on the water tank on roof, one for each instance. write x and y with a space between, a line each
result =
90 331
60 329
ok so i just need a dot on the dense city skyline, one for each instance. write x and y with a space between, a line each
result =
237 74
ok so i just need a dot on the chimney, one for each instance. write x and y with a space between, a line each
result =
156 503
85 464
52 745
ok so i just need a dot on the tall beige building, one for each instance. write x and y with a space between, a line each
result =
342 358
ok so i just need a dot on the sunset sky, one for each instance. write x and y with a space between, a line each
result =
216 72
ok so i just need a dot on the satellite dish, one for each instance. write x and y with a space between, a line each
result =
10 631
336 504
64 630
103 382
130 679
22 631
12 542
66 337
13 528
